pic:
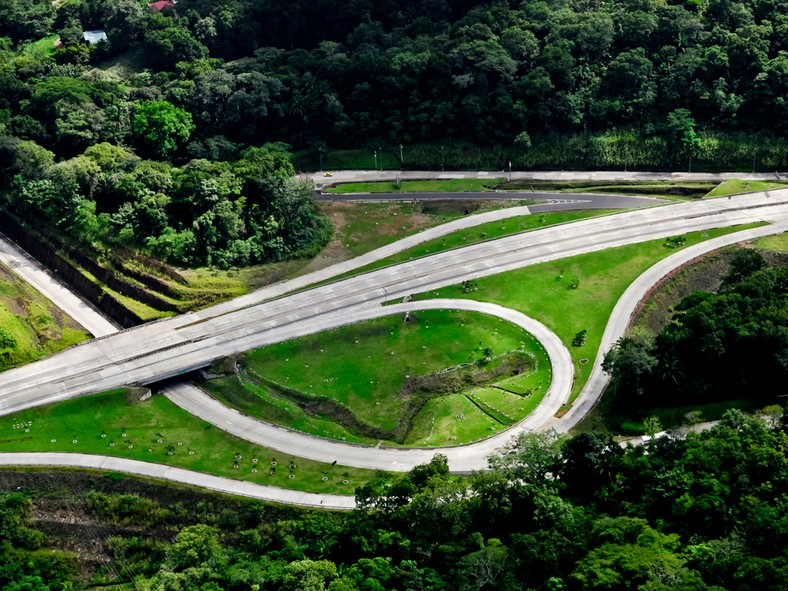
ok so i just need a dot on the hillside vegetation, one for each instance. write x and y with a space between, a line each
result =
30 325
705 513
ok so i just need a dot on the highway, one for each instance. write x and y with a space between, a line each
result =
271 315
461 458
544 202
606 176
176 345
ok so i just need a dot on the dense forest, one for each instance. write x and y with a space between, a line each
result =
701 513
171 136
724 345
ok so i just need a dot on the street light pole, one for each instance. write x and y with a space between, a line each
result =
401 159
442 158
376 159
320 151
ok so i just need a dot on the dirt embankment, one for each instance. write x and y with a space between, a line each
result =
704 273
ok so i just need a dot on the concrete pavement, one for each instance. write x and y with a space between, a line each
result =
173 346
266 316
36 275
463 458
181 476
355 176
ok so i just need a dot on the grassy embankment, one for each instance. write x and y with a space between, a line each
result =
576 293
379 380
778 243
704 275
42 48
738 186
31 327
118 424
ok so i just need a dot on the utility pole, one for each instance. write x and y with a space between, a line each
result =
376 159
401 159
442 168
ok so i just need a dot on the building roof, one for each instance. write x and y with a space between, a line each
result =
94 37
161 5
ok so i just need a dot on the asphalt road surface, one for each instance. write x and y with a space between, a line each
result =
545 201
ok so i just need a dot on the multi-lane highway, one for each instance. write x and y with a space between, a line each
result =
270 315
173 346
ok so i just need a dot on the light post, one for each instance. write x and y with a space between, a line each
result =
381 157
376 159
510 171
320 152
401 159
442 158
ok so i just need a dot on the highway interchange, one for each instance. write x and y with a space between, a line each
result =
170 347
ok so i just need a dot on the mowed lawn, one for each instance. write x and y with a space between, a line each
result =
363 367
547 291
118 424
737 186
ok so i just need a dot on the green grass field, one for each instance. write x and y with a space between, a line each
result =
42 48
155 430
363 368
437 186
777 243
737 186
31 327
545 291
362 227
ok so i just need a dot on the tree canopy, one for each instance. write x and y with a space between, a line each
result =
700 513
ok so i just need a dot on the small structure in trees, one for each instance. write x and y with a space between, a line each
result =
95 37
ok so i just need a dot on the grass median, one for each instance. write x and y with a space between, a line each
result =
438 378
738 186
577 293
